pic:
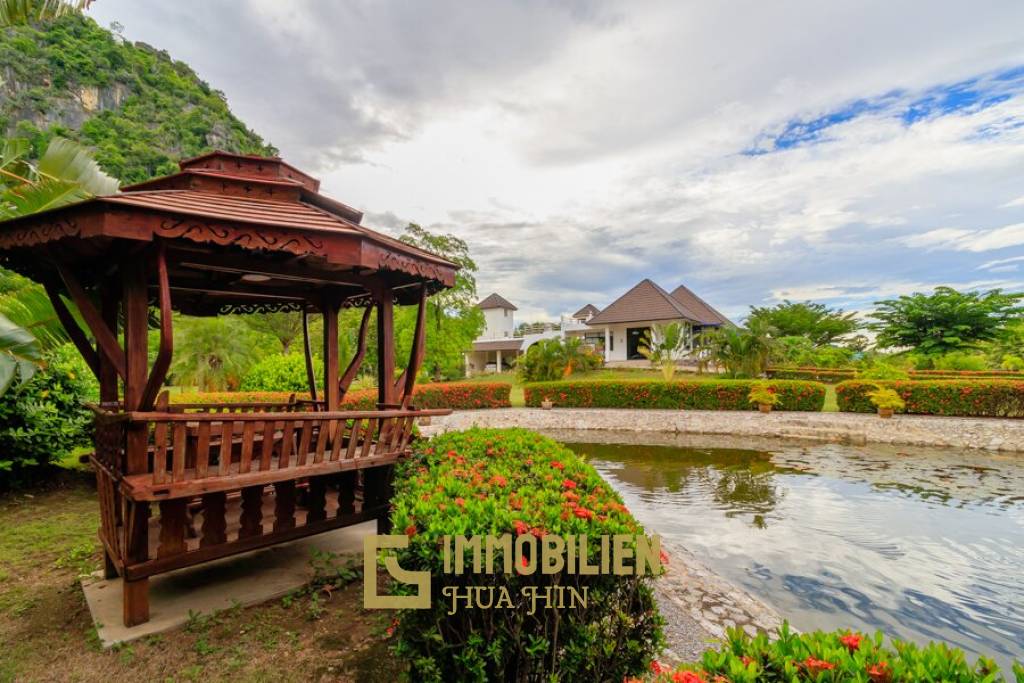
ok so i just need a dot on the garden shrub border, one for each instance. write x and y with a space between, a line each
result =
517 482
711 394
840 374
952 398
454 395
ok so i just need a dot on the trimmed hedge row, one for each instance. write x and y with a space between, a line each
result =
455 395
966 398
724 394
530 489
840 374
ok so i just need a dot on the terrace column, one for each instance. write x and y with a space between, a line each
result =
499 360
607 344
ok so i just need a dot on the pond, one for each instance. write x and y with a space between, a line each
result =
924 544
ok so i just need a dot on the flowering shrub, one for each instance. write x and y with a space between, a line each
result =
977 398
494 481
840 374
726 394
829 656
455 395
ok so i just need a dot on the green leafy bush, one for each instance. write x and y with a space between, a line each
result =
961 360
549 359
725 394
884 371
814 374
279 372
830 656
968 398
492 481
886 399
44 419
762 394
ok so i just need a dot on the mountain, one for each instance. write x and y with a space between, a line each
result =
137 107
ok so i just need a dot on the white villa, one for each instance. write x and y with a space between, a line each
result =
615 331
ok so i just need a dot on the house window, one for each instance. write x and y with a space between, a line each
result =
505 311
611 345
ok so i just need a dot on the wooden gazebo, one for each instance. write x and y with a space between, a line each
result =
227 234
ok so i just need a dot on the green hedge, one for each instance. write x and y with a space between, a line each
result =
968 398
840 374
725 394
516 482
454 395
829 656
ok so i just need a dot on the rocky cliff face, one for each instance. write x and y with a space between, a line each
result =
139 108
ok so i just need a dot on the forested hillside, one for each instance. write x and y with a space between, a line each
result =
140 109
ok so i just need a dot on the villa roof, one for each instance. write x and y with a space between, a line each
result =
706 315
497 345
645 301
495 301
589 309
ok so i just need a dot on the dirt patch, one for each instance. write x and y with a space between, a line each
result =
48 538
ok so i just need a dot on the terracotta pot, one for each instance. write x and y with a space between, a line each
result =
885 413
764 407
425 421
546 404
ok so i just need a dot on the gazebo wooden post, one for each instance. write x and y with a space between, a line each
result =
377 480
110 304
332 389
136 322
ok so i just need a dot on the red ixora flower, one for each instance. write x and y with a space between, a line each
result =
879 673
410 530
461 502
687 677
816 666
557 465
521 527
656 667
851 641
568 484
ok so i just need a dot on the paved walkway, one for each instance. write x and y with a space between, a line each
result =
853 428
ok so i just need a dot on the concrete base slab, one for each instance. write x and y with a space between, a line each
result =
243 579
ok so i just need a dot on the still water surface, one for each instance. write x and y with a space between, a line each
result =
922 544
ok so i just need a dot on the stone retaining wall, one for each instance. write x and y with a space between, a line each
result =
852 428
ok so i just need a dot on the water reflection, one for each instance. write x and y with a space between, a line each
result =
923 544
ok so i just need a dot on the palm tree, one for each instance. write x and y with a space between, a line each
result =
65 173
664 346
741 352
17 12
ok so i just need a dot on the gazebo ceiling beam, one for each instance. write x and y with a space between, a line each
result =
247 266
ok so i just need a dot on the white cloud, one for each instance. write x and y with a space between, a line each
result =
580 147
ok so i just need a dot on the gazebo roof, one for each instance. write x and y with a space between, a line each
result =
241 233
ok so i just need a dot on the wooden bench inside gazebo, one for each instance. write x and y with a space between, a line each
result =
184 484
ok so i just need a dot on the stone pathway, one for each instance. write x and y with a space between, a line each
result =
999 434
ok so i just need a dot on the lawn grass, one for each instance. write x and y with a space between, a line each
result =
48 538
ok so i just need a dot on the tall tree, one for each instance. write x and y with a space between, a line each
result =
814 321
454 319
945 320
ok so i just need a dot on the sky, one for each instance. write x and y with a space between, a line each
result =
841 152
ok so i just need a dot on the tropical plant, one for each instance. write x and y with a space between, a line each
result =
280 372
886 399
740 352
664 346
762 394
214 354
18 12
945 320
815 322
66 173
550 359
884 371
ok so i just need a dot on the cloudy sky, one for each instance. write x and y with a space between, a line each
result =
754 151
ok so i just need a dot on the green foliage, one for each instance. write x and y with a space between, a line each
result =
44 419
738 351
762 394
727 394
278 372
214 354
817 323
1012 363
20 355
23 12
968 398
883 371
285 327
886 399
831 656
150 110
664 345
945 320
453 321
961 360
490 481
550 359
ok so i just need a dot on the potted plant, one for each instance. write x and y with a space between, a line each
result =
887 401
546 404
764 396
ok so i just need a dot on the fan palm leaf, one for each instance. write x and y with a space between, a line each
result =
17 12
